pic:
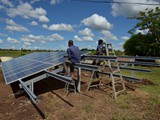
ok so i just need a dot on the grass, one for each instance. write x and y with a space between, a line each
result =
13 54
88 108
154 77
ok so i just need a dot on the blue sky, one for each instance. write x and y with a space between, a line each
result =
49 24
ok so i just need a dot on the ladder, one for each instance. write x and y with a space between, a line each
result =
109 50
116 81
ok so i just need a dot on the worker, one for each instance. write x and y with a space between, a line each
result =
74 56
99 51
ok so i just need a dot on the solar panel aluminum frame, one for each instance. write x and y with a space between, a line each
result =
25 76
50 66
28 58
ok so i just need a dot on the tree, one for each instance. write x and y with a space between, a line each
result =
149 19
142 45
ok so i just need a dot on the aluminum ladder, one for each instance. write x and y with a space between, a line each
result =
116 81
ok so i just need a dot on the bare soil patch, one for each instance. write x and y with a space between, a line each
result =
54 104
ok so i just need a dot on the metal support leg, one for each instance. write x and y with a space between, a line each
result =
79 80
32 86
132 70
90 82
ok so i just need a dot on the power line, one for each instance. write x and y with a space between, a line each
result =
115 2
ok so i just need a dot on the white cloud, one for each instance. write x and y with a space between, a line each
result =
97 22
29 39
118 46
34 23
32 38
10 22
109 35
86 32
27 43
77 38
43 42
12 40
55 1
87 35
87 38
130 10
1 41
25 10
142 31
124 38
121 43
12 26
55 37
45 26
62 26
7 3
43 19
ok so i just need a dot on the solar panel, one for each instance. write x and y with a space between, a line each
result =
24 66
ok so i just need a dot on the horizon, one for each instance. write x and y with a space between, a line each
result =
49 24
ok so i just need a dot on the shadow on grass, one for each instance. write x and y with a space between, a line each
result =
62 99
38 110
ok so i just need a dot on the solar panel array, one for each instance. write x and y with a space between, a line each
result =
24 66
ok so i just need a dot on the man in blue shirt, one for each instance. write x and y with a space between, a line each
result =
74 56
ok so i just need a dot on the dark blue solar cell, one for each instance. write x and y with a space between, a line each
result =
27 72
22 68
30 64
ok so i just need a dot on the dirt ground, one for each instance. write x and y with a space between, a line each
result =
54 104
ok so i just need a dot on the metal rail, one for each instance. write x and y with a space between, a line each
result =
86 66
140 63
125 68
140 57
29 92
99 57
125 77
60 77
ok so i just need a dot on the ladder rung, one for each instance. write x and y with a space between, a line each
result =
120 91
118 81
110 48
116 71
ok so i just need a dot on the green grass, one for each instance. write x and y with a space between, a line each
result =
13 54
154 77
88 108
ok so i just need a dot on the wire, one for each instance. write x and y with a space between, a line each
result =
114 2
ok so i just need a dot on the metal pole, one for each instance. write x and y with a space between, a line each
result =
32 89
79 80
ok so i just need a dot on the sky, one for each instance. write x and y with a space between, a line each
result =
49 24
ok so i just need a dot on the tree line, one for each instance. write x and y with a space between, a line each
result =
147 44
